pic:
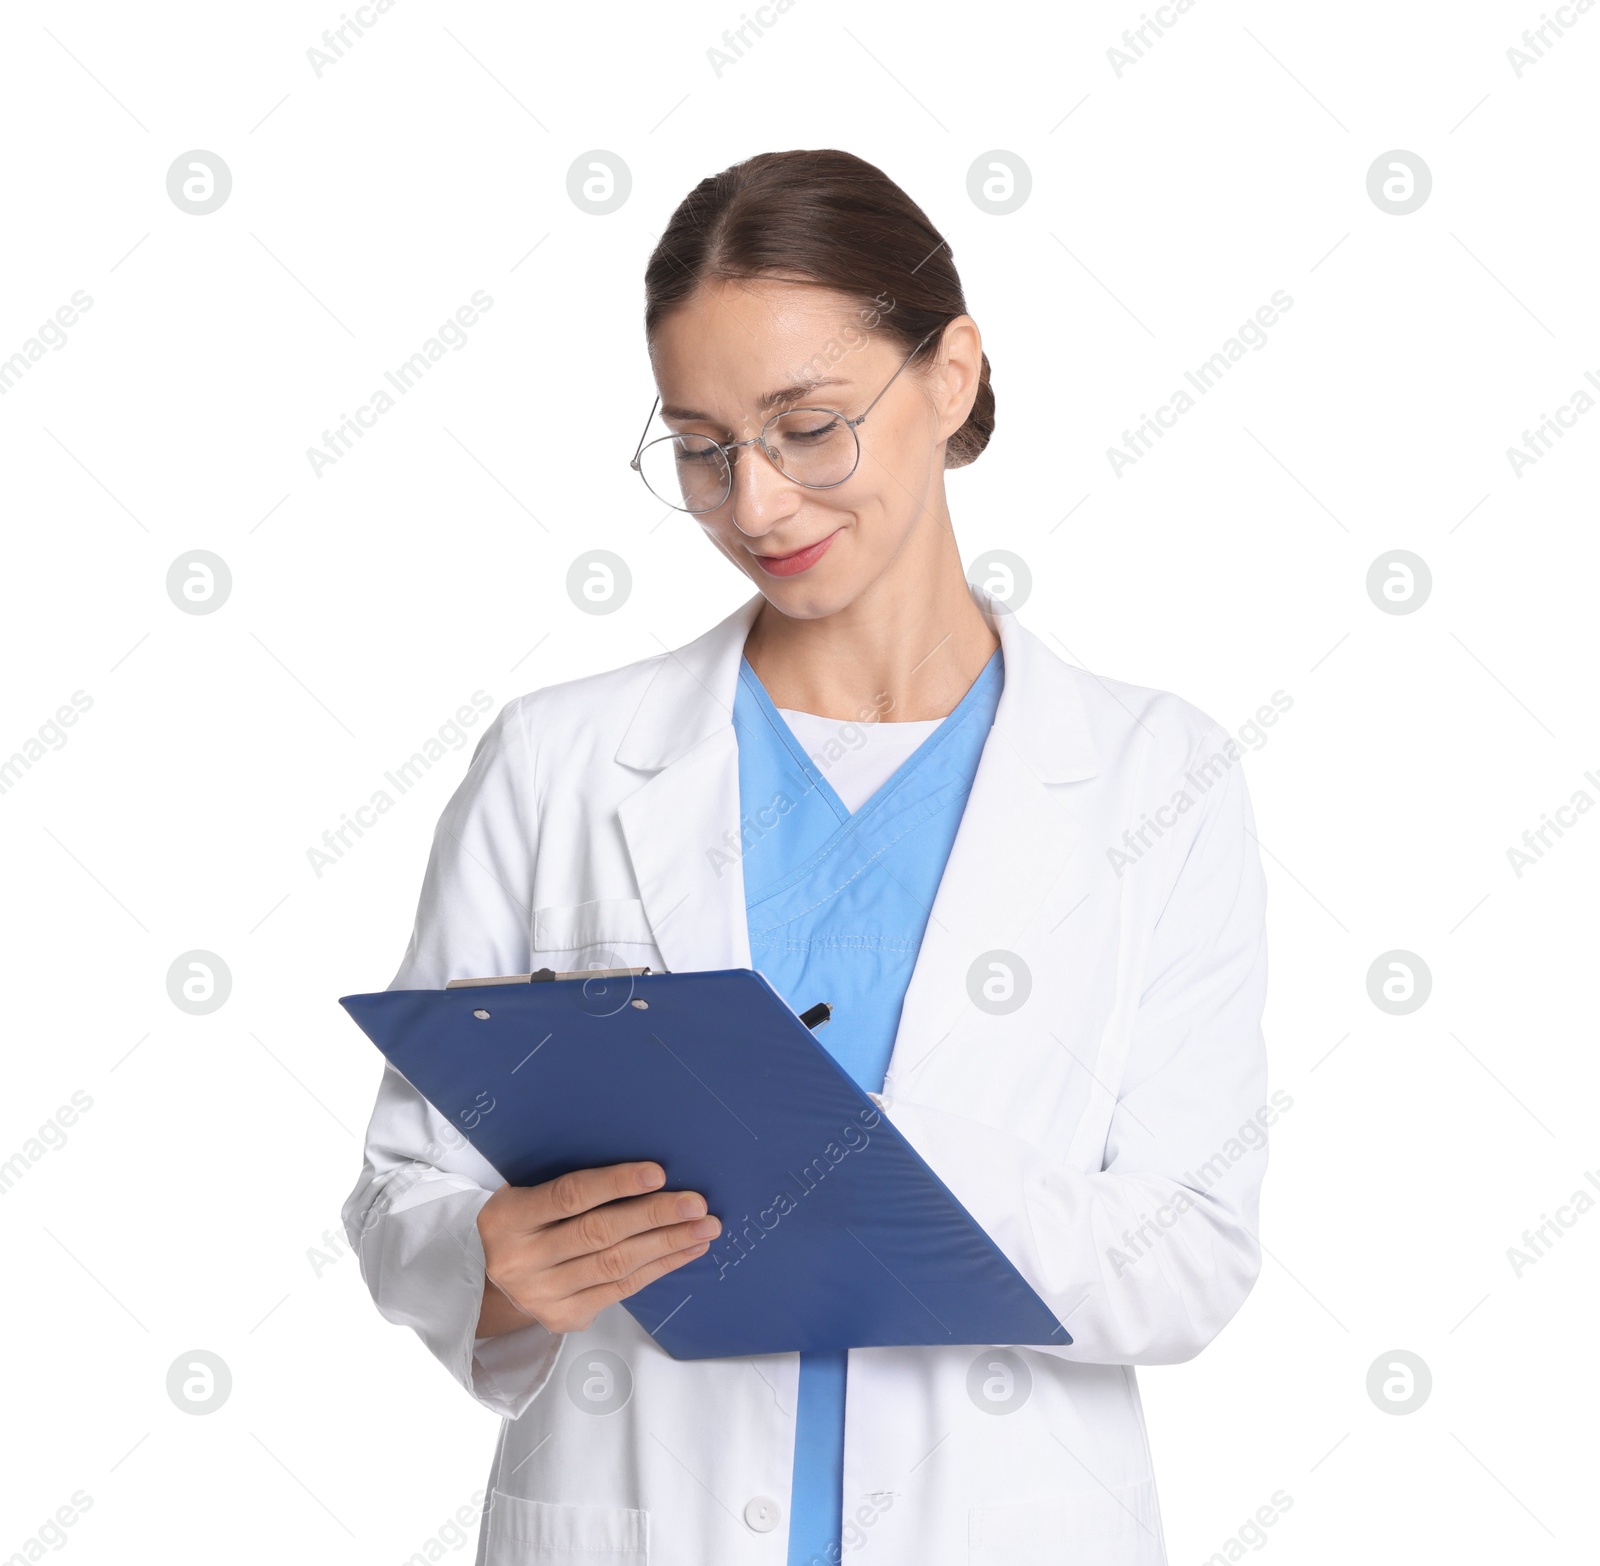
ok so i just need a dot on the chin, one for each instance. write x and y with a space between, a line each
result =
800 600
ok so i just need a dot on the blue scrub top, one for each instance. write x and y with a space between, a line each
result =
836 906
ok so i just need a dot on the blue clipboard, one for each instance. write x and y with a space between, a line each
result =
835 1232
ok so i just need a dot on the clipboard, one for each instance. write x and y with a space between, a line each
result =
836 1233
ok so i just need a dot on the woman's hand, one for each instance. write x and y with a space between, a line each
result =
558 1253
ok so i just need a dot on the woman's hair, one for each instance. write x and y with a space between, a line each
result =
826 218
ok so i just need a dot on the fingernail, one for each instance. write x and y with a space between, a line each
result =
707 1229
690 1207
650 1176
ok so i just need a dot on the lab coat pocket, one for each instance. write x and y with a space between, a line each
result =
545 1533
1086 1528
611 932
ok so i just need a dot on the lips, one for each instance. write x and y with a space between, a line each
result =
800 560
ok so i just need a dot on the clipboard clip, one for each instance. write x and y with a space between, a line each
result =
548 975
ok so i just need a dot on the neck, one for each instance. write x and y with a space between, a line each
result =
908 648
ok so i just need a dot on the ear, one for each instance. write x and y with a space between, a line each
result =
954 384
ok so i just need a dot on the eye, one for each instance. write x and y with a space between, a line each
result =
695 450
806 426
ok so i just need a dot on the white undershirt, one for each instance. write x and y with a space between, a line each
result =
857 759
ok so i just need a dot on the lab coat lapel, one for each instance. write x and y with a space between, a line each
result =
682 825
1018 831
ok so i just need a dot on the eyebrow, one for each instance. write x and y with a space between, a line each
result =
763 404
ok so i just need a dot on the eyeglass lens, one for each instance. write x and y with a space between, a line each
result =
812 446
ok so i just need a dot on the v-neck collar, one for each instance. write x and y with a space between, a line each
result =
817 780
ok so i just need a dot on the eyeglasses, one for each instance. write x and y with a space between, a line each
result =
816 448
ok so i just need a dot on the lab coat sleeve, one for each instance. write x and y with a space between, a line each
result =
1146 1258
412 1217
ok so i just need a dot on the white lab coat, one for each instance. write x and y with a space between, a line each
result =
1107 1132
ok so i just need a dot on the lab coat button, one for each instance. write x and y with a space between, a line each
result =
762 1513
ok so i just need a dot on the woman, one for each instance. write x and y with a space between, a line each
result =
1032 895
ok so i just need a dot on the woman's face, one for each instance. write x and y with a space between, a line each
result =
736 353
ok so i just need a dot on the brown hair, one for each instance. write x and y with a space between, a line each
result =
827 218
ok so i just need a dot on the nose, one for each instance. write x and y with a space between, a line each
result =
762 495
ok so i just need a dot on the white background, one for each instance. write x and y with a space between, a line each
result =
369 603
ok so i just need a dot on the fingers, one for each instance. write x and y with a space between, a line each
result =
584 1189
613 1263
603 1227
578 1311
563 1250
